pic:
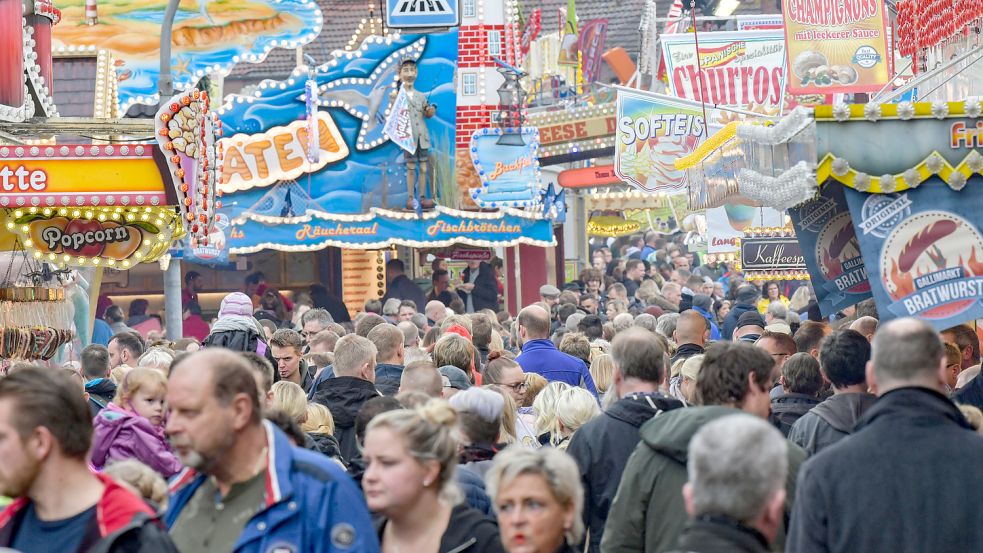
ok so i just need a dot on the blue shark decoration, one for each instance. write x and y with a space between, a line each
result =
354 91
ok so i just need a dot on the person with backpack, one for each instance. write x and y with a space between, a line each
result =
95 369
236 328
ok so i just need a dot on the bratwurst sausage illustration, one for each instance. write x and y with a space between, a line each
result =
920 242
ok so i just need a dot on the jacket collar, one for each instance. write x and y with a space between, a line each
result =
279 457
913 402
539 343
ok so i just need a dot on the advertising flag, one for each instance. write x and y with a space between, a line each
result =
398 127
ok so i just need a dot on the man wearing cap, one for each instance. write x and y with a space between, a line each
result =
455 380
549 294
540 356
746 300
750 326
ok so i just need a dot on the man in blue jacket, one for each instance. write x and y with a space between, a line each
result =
247 489
540 356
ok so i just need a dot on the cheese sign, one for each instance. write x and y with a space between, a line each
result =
258 160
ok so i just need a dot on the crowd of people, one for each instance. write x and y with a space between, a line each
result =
647 406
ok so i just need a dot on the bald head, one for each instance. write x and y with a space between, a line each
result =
421 376
535 321
691 328
223 373
866 326
906 352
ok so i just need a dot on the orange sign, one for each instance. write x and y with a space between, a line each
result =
588 177
278 154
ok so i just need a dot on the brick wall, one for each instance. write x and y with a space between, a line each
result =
473 45
470 119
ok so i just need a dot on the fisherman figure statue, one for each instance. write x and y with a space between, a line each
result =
419 110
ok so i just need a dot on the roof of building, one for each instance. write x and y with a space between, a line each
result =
74 85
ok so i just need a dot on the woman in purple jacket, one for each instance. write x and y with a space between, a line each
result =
132 426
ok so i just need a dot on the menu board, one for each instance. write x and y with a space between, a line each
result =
363 277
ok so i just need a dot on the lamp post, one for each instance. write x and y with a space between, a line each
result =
511 99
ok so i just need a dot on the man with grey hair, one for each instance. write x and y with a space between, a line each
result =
911 456
735 495
411 334
646 321
479 414
314 321
602 446
666 325
622 322
776 312
352 385
390 310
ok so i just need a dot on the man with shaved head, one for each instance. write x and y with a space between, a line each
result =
865 325
898 467
540 356
691 335
247 488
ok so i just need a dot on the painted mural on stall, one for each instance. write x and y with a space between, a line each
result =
208 36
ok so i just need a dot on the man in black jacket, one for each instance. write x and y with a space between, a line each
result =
352 386
399 286
745 301
602 446
388 341
480 288
843 360
889 471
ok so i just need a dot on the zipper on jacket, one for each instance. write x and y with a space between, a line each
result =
464 546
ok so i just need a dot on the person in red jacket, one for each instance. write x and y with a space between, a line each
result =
59 503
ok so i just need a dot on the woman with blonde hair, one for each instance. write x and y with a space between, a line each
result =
574 408
291 399
141 480
535 383
602 371
411 457
545 407
320 427
547 479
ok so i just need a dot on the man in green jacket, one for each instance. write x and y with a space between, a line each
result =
648 512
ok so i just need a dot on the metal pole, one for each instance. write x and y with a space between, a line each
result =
172 276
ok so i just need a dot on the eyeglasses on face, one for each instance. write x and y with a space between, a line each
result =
517 386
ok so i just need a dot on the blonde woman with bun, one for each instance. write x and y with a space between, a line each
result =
411 456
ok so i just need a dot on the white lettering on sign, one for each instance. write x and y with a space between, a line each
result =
22 179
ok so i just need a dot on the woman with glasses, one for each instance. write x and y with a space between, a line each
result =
503 371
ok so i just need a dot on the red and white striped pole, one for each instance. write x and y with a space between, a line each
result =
91 13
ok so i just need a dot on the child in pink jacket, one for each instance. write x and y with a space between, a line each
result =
132 426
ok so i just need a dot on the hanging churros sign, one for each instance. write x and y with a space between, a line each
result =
836 47
744 69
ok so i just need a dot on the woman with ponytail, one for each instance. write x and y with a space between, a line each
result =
411 457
